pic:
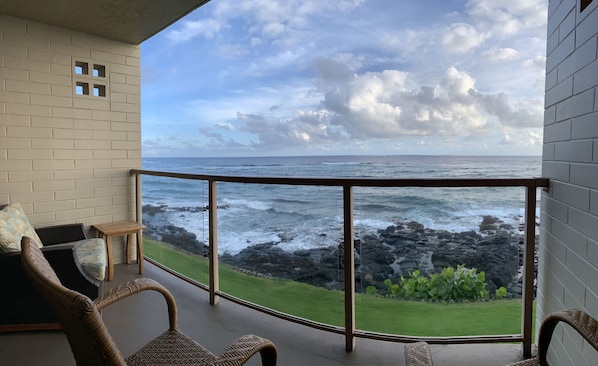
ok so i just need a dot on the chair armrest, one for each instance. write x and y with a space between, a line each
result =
245 347
583 323
135 286
61 234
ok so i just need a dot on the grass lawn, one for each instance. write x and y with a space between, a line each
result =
326 306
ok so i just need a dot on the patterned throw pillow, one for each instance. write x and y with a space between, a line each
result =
14 224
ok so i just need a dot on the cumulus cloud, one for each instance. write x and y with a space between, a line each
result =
381 105
302 129
524 114
538 62
526 139
278 19
461 38
191 29
508 17
265 22
216 140
500 54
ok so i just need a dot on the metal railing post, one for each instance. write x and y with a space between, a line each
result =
528 270
349 264
213 249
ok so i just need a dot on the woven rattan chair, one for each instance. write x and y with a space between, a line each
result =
583 323
418 354
91 343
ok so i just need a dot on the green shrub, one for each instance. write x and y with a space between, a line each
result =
500 293
371 290
450 284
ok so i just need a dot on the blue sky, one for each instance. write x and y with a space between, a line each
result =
366 77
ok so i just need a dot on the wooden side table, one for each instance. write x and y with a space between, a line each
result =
128 228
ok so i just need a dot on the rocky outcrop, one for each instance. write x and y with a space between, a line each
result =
391 253
159 228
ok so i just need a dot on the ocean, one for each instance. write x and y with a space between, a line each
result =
300 217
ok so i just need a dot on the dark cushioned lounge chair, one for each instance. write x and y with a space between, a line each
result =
21 306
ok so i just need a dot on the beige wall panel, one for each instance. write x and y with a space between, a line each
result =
73 174
74 194
109 116
568 259
66 157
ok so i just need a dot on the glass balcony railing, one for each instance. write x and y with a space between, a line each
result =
403 282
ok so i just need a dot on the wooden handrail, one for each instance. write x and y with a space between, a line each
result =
358 182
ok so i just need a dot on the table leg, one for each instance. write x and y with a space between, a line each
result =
108 239
128 248
139 252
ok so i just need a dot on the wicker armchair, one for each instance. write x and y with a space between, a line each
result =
22 308
583 323
418 354
91 343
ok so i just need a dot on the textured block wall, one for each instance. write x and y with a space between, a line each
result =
568 253
70 125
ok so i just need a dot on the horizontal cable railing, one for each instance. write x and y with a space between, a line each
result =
347 184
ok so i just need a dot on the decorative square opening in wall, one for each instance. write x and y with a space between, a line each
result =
99 71
99 90
583 4
81 68
81 88
90 79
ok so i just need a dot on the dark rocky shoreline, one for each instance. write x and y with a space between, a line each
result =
497 249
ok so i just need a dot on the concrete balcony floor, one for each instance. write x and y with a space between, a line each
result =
136 320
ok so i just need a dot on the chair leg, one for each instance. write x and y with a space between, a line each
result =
128 248
108 239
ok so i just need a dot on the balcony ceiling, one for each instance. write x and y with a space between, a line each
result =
129 21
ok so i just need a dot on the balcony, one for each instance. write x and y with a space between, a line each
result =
299 339
566 262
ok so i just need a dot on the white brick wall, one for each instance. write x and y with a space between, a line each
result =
568 253
65 157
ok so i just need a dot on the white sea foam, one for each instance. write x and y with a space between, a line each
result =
372 223
231 242
255 205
